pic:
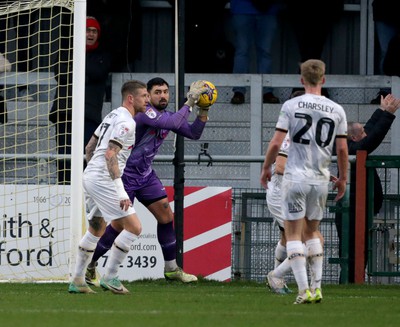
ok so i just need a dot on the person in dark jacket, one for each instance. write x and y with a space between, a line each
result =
305 16
254 23
391 63
98 64
387 28
368 138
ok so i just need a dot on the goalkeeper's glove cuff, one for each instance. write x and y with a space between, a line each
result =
203 111
190 102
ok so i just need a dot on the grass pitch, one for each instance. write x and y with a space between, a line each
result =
162 303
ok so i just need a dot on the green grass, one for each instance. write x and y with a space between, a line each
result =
161 303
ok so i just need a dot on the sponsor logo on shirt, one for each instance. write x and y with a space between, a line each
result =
123 131
285 144
151 113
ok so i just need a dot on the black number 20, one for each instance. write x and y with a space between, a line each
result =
321 122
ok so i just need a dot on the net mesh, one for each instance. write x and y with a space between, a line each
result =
35 66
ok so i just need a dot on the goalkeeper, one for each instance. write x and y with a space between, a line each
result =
141 181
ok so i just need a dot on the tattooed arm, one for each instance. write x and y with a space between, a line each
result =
115 174
112 160
90 147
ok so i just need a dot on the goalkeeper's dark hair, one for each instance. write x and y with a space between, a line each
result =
156 81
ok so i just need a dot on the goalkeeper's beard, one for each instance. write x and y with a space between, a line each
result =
161 106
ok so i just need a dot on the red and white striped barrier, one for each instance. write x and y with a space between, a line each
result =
207 231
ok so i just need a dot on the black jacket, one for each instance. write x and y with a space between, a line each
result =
98 65
382 11
391 63
376 129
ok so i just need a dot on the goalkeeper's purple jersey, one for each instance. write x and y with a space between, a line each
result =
152 127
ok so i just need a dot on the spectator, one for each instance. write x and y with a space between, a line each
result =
254 22
207 49
121 23
5 65
96 75
368 138
305 15
391 63
24 58
98 64
387 27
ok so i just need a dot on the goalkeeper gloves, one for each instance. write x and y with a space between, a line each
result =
196 89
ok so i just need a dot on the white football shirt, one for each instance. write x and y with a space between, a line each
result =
313 123
118 127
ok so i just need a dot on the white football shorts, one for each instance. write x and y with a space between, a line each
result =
274 199
303 200
102 200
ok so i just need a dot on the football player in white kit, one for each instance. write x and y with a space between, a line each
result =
274 197
314 123
106 199
274 203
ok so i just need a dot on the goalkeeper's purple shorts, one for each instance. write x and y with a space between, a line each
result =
147 190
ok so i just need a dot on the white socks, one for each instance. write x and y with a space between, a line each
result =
280 254
118 252
170 265
299 255
87 245
315 261
297 261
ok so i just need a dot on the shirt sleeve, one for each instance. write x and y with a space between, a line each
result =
191 131
165 119
283 119
122 132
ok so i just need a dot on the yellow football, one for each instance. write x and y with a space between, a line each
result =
208 97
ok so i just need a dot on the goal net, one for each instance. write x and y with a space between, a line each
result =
36 77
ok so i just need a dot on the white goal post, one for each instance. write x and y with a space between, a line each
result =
42 63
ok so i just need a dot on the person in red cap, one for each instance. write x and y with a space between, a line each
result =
93 31
98 65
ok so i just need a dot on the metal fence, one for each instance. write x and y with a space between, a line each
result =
384 229
254 234
254 237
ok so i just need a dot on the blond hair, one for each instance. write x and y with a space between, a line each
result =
132 87
312 71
